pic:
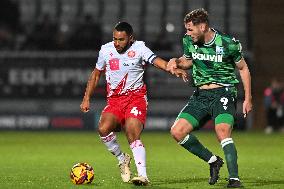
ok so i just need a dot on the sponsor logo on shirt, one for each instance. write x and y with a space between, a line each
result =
215 58
114 64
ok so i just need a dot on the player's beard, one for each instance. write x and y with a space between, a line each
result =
120 51
123 50
200 40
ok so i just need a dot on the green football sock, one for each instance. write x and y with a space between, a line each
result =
192 144
231 156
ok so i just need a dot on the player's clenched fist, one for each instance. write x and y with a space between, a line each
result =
85 106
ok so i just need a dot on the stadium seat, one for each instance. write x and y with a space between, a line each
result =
49 7
238 22
69 10
27 11
132 14
153 19
110 17
91 7
217 8
195 4
174 17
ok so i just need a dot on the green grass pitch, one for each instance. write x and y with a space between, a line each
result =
33 160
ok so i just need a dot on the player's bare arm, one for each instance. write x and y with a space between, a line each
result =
246 79
181 63
162 64
91 86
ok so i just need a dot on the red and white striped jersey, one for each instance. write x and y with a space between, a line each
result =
124 72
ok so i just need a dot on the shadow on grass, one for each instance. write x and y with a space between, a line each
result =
263 182
180 180
164 184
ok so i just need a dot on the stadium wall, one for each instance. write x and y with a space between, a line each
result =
46 84
43 90
267 30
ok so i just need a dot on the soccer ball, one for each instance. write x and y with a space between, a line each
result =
82 173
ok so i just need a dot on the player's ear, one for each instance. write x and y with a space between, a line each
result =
202 27
131 38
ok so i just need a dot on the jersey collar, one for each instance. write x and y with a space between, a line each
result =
213 39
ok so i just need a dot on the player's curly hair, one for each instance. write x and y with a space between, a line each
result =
124 26
197 16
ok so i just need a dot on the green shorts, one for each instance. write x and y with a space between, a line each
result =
218 104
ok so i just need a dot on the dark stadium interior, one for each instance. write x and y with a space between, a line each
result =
68 24
48 49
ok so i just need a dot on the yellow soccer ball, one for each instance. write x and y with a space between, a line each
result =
82 173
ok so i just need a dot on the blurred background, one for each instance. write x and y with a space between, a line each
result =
48 49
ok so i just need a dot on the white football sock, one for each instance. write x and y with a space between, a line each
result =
212 159
139 155
113 146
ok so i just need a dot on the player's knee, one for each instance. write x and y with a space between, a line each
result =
178 132
132 136
133 131
223 130
104 129
180 129
173 131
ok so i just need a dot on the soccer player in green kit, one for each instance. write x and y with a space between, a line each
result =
213 57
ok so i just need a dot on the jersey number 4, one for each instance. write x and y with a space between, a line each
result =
135 111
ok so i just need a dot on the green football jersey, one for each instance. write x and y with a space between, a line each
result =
214 62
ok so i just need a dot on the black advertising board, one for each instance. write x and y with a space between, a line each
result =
46 76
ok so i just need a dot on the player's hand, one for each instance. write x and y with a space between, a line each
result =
172 65
181 73
85 105
247 107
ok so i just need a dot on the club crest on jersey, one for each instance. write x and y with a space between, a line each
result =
219 50
131 54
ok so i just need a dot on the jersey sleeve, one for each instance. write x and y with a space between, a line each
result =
147 55
101 63
186 51
236 51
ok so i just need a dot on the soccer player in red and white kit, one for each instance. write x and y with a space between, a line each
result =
124 60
